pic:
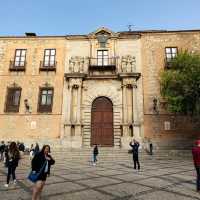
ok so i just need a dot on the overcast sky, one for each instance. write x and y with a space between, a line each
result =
61 17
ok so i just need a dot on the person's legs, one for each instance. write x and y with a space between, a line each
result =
37 189
138 163
198 178
134 161
9 174
13 172
95 157
40 191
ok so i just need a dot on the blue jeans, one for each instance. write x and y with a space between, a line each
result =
94 158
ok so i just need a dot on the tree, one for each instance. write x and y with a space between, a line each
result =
180 84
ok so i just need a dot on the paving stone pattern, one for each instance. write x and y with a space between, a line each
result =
78 179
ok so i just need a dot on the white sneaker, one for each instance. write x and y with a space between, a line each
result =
5 185
15 182
94 164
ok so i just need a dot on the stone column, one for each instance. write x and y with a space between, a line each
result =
79 105
124 104
68 119
78 125
64 108
136 123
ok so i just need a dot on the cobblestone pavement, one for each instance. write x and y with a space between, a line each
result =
158 179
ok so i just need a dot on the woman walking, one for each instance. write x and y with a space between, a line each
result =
42 160
12 158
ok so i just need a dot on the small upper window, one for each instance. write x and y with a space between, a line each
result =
13 100
170 52
49 57
45 100
20 58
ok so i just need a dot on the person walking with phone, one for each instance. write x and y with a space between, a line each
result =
135 146
42 160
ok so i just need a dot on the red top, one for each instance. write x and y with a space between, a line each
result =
196 155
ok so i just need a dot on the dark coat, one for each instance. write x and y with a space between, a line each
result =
95 151
39 160
2 147
12 159
135 147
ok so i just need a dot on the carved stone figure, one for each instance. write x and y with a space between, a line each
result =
128 63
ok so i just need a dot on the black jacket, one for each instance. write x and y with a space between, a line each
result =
12 159
39 160
135 147
96 151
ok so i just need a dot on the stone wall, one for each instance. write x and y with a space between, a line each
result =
153 62
33 125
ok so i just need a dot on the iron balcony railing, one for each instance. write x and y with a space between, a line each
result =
17 65
102 63
48 66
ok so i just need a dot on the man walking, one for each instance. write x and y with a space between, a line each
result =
135 145
196 158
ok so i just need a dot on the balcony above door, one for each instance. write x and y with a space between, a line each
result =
102 64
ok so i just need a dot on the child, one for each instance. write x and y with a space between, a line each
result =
95 154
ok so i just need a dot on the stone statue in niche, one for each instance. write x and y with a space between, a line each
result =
128 63
76 64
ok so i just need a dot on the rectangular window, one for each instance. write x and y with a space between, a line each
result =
102 57
13 100
49 57
170 53
45 100
20 58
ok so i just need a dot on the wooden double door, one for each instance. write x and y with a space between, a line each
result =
102 122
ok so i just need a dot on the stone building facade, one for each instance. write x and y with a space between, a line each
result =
101 88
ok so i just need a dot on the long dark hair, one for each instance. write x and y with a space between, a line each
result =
13 147
43 148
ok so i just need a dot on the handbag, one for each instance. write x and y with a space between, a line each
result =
33 176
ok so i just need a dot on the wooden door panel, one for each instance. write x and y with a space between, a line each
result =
102 122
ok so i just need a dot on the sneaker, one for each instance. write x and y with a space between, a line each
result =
94 164
5 185
15 182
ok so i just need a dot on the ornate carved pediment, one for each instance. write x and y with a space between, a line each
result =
102 30
128 63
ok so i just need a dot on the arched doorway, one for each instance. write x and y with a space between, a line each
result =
102 122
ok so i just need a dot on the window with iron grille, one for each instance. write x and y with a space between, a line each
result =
49 58
13 100
170 53
20 58
45 100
